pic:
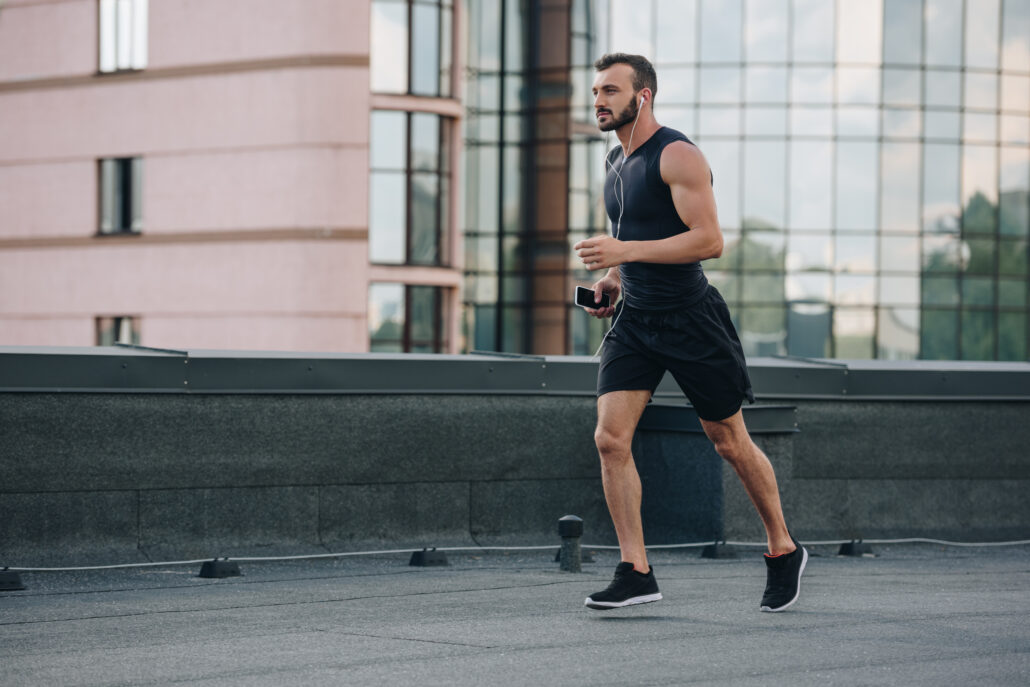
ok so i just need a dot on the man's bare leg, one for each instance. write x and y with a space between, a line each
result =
617 415
734 444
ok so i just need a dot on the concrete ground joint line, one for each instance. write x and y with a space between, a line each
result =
409 639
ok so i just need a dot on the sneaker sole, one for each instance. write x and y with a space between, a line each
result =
804 562
609 605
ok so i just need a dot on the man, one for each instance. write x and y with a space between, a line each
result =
658 194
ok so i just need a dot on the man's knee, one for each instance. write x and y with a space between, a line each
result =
732 448
612 446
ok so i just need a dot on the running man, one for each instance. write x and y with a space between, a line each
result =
658 194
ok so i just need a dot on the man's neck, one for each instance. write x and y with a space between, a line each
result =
646 126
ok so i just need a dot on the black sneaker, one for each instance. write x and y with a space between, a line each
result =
783 579
628 588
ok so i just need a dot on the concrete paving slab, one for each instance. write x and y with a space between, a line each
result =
915 615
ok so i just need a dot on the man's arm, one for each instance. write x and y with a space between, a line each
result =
686 171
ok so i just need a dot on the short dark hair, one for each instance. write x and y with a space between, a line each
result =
643 71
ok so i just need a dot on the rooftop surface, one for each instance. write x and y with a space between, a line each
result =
917 614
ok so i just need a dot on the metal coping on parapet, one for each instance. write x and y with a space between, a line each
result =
141 369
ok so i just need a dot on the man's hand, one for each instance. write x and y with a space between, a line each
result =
610 285
601 252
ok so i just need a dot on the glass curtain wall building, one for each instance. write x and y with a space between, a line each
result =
410 173
871 163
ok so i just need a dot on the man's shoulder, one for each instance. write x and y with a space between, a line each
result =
682 161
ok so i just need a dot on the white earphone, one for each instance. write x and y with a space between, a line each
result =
621 198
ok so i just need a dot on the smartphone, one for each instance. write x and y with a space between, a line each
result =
585 299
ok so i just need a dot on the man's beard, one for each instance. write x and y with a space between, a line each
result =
625 117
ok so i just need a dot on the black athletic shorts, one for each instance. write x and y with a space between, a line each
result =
697 344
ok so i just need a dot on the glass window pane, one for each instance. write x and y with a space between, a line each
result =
1015 191
943 33
940 188
943 89
1012 293
809 287
387 217
938 124
942 254
1012 336
763 250
977 291
388 61
488 171
720 85
765 193
676 36
897 334
901 86
858 85
108 35
980 127
719 121
981 90
425 141
1015 129
982 255
140 34
902 31
1015 28
979 188
422 319
512 206
939 335
724 159
982 33
485 35
1012 257
939 290
766 121
766 84
899 254
809 252
859 32
811 172
446 48
677 85
483 327
813 31
812 85
631 23
513 329
858 121
720 30
389 138
811 121
977 334
514 38
855 253
808 330
857 164
124 37
386 317
898 123
851 289
853 333
425 224
897 290
899 190
1015 91
767 26
763 330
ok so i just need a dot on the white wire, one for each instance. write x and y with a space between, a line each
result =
546 547
621 198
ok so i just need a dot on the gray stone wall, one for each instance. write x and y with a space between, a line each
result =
115 477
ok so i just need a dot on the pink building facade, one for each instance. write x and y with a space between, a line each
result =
243 219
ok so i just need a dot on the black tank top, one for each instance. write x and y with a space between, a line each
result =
648 214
